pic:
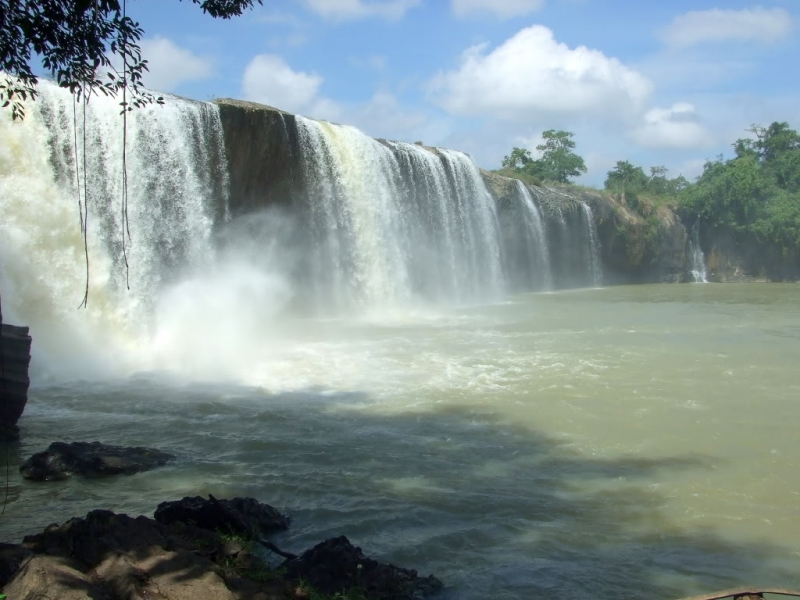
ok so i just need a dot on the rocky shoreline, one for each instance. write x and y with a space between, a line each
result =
195 548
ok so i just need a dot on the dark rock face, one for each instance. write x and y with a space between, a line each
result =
264 164
638 249
243 516
90 459
14 381
733 256
335 565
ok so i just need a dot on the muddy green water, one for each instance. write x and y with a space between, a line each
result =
624 442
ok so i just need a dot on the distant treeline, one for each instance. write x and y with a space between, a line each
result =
755 194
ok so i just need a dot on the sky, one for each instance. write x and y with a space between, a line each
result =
656 83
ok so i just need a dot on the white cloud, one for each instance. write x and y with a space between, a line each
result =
690 169
504 9
675 127
344 10
384 116
269 80
717 25
171 65
531 73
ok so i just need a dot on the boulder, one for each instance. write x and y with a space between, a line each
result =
110 556
90 459
335 566
242 516
107 556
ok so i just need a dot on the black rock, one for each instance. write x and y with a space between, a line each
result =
335 565
90 459
14 381
243 516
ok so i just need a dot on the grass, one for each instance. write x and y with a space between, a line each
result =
523 177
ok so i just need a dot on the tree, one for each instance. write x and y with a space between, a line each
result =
625 178
76 41
658 182
559 162
518 160
778 149
678 184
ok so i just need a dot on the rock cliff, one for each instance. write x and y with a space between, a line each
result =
646 245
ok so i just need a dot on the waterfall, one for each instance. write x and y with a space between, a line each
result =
593 246
325 221
698 266
177 182
525 243
572 239
395 223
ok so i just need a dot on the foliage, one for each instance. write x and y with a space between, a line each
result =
521 175
625 178
76 41
558 162
631 181
755 193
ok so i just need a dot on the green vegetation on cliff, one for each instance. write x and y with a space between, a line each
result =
558 162
753 197
757 192
632 182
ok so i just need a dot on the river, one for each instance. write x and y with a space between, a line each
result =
621 442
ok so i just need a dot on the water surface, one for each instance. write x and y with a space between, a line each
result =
607 443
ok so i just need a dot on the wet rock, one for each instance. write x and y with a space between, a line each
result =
335 565
14 358
90 459
242 516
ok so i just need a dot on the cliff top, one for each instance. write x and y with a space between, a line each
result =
247 105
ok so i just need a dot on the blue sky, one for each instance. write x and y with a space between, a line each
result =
655 83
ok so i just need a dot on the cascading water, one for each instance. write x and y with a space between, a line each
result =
525 243
176 190
572 239
368 225
698 266
593 246
395 223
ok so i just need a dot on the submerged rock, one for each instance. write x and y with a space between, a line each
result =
90 459
242 516
335 566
